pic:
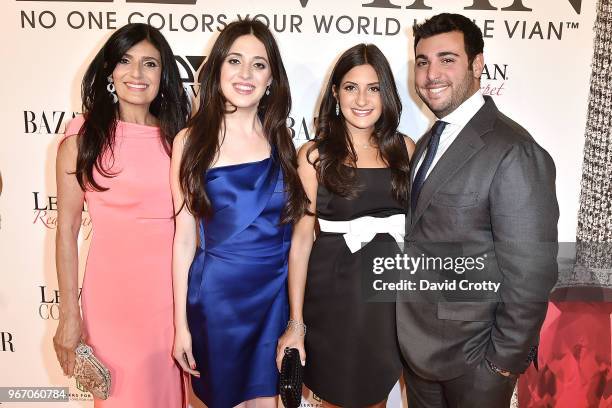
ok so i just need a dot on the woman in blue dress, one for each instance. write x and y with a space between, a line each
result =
234 180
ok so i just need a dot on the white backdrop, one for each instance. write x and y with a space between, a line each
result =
537 52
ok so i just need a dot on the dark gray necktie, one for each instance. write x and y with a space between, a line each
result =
432 148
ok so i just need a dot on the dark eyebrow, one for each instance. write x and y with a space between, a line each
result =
356 84
240 55
145 57
447 53
440 54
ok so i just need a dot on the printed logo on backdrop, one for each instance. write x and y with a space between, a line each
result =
45 214
401 13
46 122
299 128
517 5
189 68
7 342
49 303
493 80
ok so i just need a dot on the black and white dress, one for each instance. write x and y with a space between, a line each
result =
353 357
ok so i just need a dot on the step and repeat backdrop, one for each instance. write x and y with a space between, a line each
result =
537 53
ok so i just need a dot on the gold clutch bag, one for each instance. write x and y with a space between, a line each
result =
90 373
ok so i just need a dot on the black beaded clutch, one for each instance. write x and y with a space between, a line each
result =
291 379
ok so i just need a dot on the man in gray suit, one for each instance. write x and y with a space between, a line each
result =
480 180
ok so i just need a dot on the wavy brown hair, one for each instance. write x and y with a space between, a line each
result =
203 137
97 135
337 159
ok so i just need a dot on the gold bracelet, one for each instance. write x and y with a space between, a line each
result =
295 325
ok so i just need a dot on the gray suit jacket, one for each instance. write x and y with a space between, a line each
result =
494 188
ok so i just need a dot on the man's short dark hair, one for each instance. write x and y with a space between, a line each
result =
446 23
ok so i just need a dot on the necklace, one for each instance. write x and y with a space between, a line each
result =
366 145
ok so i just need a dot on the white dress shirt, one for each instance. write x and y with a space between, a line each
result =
455 122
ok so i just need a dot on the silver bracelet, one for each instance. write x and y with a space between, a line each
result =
295 325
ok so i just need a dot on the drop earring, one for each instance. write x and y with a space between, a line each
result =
337 109
111 88
267 90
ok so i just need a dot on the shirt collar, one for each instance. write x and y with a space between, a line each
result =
462 115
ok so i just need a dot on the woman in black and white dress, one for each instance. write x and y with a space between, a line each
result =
355 173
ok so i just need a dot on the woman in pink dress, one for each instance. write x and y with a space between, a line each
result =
116 157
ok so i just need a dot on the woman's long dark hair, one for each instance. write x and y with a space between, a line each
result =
97 135
203 139
334 142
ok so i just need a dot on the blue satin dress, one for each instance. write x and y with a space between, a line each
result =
237 305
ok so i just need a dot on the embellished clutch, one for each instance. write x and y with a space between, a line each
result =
291 379
90 373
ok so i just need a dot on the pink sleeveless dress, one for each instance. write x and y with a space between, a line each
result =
127 300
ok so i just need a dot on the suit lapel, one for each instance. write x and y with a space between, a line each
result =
467 143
